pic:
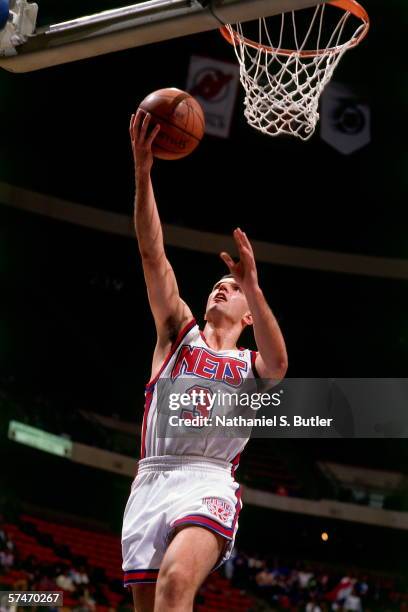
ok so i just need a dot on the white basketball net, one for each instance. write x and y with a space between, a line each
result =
283 87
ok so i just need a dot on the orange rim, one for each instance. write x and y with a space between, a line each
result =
350 6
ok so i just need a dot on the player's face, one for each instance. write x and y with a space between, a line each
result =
228 299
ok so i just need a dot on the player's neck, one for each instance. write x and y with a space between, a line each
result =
221 337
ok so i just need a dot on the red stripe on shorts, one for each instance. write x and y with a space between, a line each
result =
145 575
200 519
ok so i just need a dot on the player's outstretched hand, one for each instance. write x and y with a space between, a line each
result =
244 271
141 139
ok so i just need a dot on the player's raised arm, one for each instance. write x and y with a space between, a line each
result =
272 360
169 311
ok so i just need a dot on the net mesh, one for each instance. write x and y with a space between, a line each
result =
283 86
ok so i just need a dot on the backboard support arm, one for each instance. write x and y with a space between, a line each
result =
134 26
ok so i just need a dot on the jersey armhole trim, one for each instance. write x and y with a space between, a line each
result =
253 359
184 331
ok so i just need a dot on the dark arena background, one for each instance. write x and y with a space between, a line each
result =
325 521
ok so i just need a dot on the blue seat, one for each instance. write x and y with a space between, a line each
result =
4 13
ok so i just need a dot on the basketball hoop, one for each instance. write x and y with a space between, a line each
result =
283 81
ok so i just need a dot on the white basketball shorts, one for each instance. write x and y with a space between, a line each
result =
171 491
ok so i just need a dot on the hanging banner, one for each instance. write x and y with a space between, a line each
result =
215 84
345 121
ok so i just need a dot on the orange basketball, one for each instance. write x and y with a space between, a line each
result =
181 120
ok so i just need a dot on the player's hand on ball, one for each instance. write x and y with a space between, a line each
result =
244 271
141 139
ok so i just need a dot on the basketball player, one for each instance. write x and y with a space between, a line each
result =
181 517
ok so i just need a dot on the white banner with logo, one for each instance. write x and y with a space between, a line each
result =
214 83
345 121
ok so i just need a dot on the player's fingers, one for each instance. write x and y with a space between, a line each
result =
247 253
132 130
247 258
247 242
137 119
241 236
238 236
227 259
244 246
144 127
153 135
239 241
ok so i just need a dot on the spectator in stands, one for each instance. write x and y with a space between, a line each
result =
100 593
254 564
353 602
64 581
322 582
304 577
265 578
5 540
313 606
6 558
339 594
3 535
279 584
240 577
85 603
230 565
46 581
10 545
30 565
361 587
79 576
84 606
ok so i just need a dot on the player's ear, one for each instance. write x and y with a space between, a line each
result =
247 318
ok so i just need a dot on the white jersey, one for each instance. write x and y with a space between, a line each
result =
191 358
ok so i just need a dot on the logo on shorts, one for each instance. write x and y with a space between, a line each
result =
219 508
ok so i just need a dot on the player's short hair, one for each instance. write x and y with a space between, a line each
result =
221 279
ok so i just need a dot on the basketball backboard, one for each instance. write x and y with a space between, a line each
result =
134 25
